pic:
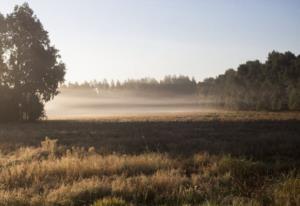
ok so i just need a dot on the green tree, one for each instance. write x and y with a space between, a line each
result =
273 85
294 98
33 69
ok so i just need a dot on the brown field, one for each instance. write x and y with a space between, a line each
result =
204 158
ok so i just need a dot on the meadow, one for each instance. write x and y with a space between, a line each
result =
208 158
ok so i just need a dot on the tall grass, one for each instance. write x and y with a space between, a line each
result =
53 175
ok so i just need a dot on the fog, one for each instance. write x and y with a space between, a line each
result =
78 103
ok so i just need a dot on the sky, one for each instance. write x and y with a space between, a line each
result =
121 39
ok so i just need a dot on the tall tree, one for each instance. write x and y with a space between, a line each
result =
273 85
33 67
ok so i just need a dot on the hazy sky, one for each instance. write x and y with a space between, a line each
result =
120 39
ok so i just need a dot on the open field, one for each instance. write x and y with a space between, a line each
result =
223 158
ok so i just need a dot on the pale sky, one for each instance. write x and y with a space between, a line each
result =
120 39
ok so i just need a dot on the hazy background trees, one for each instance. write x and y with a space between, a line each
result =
31 72
273 85
169 85
30 67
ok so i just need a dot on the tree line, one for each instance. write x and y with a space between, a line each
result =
180 85
30 67
273 85
31 72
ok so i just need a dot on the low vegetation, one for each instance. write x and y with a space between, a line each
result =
234 159
215 159
52 174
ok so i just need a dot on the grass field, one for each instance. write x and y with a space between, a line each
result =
223 158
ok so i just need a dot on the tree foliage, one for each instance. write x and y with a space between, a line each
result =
273 85
30 67
169 85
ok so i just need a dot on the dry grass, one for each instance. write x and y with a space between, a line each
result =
207 159
53 175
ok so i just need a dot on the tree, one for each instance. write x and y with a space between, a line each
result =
294 99
31 68
2 32
273 85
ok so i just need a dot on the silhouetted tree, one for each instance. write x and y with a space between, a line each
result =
31 69
273 85
170 85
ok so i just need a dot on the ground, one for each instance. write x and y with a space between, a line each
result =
212 158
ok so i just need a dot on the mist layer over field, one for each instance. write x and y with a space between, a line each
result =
94 103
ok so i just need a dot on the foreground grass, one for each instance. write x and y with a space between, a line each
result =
56 175
213 159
